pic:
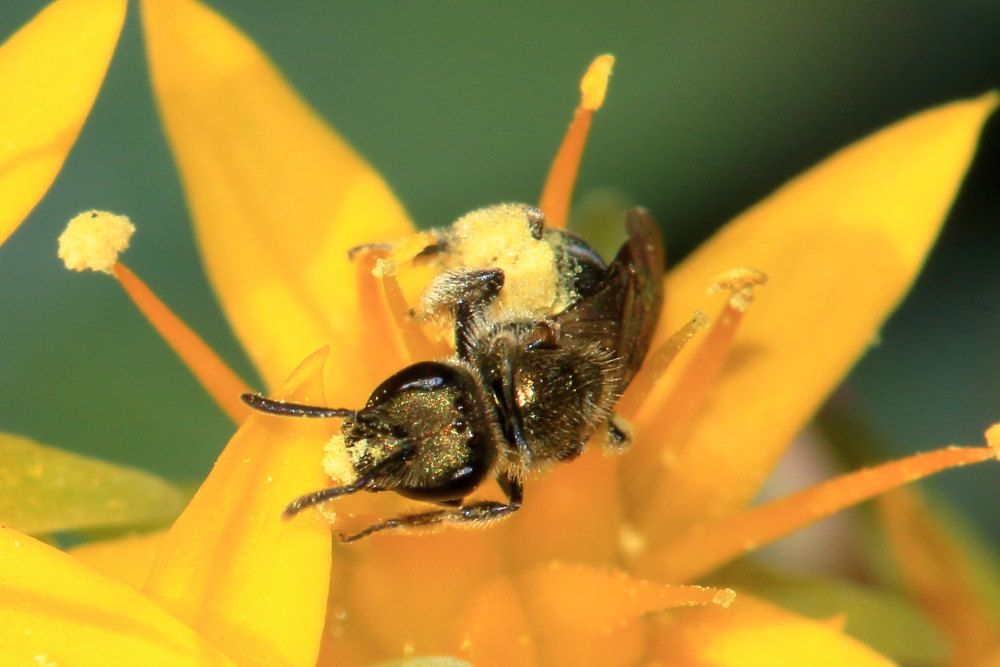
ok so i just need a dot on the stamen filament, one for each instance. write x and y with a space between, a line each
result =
657 364
221 383
562 175
707 547
682 401
383 349
418 344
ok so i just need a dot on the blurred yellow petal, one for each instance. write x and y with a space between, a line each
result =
230 567
50 72
938 572
56 610
45 490
841 244
126 559
277 197
753 633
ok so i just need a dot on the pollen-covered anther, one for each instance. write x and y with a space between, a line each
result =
594 84
93 240
993 438
740 283
385 268
558 189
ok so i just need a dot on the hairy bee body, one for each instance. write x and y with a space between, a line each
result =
526 386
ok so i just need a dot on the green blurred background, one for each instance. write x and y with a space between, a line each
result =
712 105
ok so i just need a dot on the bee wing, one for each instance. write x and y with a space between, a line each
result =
621 312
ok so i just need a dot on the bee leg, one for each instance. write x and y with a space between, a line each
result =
619 434
467 292
481 512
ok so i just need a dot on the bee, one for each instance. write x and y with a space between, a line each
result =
521 391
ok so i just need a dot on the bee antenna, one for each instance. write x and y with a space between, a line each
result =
368 480
275 407
317 497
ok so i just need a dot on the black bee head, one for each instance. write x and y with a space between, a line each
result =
434 411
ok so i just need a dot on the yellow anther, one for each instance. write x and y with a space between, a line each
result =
93 240
740 283
594 84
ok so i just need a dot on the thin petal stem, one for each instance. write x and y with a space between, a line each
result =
558 191
220 381
50 72
707 547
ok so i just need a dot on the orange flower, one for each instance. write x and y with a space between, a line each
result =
601 544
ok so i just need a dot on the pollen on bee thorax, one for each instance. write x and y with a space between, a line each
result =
503 236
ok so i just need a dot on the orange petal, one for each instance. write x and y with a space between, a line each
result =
574 513
589 615
752 633
277 197
410 590
126 559
50 71
841 245
56 610
495 630
939 575
230 567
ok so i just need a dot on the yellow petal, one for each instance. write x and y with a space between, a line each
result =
231 567
841 244
126 559
50 72
753 633
277 197
56 610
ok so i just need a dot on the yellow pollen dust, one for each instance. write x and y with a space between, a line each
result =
500 236
594 84
337 461
93 240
